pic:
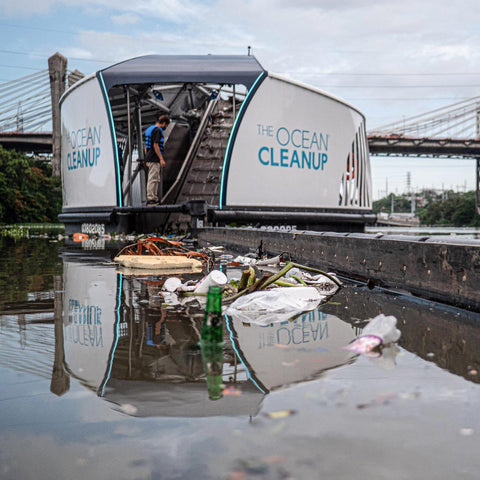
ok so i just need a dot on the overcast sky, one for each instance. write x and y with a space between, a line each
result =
391 59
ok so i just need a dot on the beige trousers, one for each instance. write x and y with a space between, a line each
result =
153 181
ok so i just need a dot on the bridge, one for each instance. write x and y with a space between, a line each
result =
450 131
29 109
39 143
30 122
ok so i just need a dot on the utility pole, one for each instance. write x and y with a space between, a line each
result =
57 69
19 118
410 191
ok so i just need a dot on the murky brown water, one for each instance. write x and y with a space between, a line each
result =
99 379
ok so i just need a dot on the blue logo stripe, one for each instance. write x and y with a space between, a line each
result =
231 140
114 139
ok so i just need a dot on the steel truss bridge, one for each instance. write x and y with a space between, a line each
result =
26 112
452 131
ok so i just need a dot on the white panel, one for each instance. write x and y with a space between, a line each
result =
291 148
89 320
294 351
88 164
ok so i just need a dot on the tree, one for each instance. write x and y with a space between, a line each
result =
465 213
27 190
456 209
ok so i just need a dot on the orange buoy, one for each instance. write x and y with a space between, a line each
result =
80 237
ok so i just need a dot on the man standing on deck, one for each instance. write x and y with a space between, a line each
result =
154 140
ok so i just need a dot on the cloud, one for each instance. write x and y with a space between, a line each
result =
395 46
125 19
14 8
168 10
174 11
449 52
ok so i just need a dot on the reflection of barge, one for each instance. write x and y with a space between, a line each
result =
118 339
244 145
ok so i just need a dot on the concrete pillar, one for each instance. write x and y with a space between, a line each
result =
60 381
477 185
57 67
477 162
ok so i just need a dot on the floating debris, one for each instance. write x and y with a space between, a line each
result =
232 391
161 247
280 414
159 262
215 278
171 284
276 305
364 344
379 332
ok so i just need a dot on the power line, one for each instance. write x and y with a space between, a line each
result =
381 74
401 99
42 55
43 29
299 73
401 86
17 66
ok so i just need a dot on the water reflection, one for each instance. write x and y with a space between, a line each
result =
113 333
292 351
121 341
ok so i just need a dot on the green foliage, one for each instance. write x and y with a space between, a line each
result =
448 208
400 204
14 231
455 209
28 192
28 265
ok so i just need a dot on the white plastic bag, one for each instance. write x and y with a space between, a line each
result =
276 305
380 331
383 327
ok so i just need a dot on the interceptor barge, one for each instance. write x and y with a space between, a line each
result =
244 146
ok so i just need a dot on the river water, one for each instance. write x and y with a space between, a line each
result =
101 380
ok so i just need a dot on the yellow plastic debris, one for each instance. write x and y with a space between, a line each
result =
160 262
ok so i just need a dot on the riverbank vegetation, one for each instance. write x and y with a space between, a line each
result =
28 191
447 208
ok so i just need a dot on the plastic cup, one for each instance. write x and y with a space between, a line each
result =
214 278
171 284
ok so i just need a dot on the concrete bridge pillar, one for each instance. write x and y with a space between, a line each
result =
477 183
57 67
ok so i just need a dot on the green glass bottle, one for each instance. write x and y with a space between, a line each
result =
212 330
212 357
212 343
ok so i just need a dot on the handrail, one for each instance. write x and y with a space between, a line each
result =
175 189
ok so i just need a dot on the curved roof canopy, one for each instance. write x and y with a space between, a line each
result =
223 69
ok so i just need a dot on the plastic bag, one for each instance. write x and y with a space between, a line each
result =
276 305
383 327
380 331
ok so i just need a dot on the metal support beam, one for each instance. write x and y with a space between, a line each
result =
57 67
434 147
